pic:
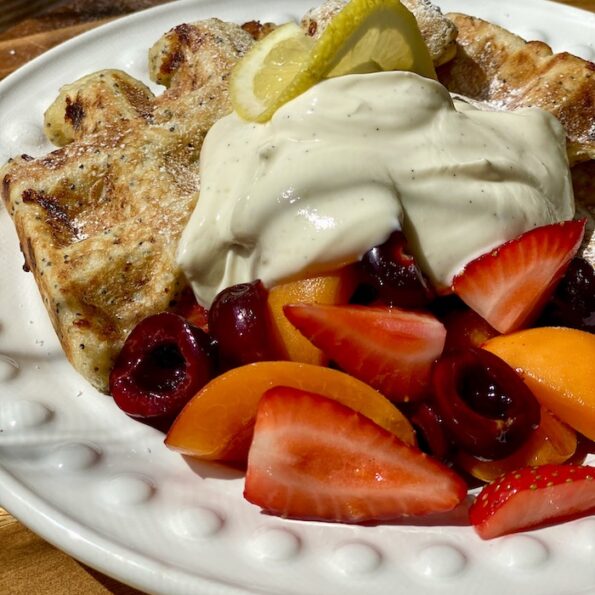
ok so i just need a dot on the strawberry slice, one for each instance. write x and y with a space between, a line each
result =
532 496
509 286
391 349
314 458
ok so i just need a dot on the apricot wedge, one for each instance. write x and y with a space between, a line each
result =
558 365
553 442
218 422
331 288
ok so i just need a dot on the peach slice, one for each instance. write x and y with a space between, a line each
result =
558 365
552 442
218 421
332 288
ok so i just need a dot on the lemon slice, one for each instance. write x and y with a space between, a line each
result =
274 71
366 36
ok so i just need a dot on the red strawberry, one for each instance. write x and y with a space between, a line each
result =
532 496
314 458
391 349
510 285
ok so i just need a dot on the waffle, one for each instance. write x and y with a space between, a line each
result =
495 66
99 219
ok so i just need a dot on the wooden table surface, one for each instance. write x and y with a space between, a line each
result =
28 564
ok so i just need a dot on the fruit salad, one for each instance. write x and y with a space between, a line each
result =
370 388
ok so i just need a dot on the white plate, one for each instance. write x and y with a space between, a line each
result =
104 488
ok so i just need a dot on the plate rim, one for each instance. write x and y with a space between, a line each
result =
53 525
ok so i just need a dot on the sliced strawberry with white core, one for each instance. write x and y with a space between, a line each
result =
509 286
391 349
314 458
533 496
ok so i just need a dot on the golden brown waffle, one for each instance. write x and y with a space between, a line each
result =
495 66
99 219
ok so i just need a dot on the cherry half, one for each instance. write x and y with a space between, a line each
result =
429 429
486 408
573 303
162 365
395 274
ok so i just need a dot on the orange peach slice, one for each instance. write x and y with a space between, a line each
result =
552 442
217 423
331 289
558 365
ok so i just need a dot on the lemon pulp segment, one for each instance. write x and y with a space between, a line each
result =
365 36
370 36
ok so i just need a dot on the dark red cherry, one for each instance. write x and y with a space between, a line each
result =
573 303
395 274
465 328
163 363
486 408
430 432
238 321
187 307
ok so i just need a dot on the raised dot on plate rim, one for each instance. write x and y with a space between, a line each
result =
134 59
440 561
584 535
73 456
27 134
356 557
9 368
197 522
275 544
16 415
127 489
521 552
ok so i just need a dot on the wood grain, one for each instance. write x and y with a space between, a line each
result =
28 564
16 52
584 4
31 37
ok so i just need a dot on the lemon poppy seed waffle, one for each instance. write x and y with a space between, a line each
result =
99 219
500 68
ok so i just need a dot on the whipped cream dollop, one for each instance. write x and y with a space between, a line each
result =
342 166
